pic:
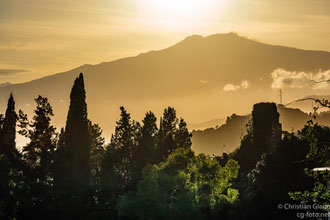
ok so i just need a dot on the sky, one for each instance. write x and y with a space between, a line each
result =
43 37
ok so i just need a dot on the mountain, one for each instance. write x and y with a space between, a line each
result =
189 76
307 105
5 84
227 137
206 124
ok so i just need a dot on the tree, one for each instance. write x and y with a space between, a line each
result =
185 186
183 136
145 153
72 181
166 135
8 131
97 148
77 138
123 144
39 153
283 168
318 156
318 139
118 163
13 189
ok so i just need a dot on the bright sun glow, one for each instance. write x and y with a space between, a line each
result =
176 13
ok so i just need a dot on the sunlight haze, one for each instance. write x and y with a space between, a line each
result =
44 37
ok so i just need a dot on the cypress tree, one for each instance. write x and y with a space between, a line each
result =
74 155
8 131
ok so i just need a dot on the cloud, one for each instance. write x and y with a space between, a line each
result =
293 79
245 84
231 87
6 72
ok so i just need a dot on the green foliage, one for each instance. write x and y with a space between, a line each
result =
319 194
184 186
151 173
122 147
318 138
173 134
12 189
118 165
183 136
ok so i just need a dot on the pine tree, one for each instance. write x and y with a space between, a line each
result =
8 131
183 136
167 132
118 164
124 142
147 143
39 153
97 150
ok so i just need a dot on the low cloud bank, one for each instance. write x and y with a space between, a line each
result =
231 87
294 79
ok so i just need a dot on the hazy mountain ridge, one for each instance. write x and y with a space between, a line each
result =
206 124
5 84
172 76
227 137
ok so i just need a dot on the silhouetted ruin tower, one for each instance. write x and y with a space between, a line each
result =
267 131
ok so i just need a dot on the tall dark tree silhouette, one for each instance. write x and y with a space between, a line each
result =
147 143
39 153
97 151
124 142
183 136
118 164
77 139
73 172
38 160
8 131
166 135
145 153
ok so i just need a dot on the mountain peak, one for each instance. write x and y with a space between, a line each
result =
196 39
193 37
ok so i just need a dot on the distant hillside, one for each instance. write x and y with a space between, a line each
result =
189 76
5 84
227 137
307 106
206 124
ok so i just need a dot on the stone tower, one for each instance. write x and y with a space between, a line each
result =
267 130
